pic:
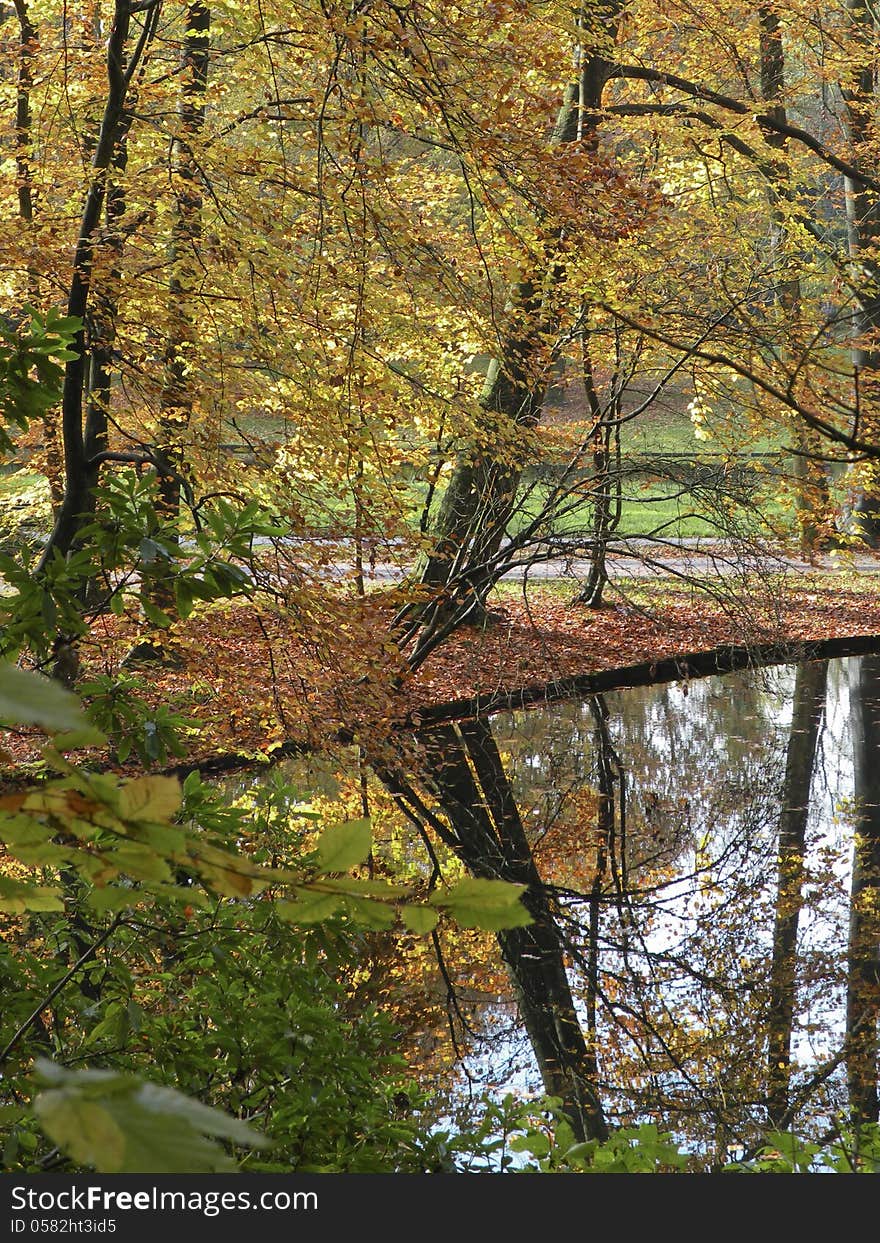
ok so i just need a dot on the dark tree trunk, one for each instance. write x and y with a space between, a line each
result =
863 977
465 772
80 468
809 705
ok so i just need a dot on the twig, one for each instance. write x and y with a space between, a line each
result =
47 1001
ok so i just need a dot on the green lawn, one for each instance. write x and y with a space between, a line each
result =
21 482
669 507
658 506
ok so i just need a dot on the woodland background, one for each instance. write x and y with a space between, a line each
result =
320 323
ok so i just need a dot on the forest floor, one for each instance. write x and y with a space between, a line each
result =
249 678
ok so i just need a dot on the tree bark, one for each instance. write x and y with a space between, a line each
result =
177 398
27 39
80 470
863 976
863 234
808 707
466 771
812 500
481 496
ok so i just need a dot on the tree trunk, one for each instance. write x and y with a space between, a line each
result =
863 232
177 399
27 38
606 479
481 495
863 977
80 468
812 500
808 707
465 771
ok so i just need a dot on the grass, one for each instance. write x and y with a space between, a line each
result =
654 506
650 506
20 482
672 431
691 497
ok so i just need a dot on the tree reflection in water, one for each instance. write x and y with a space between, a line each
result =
704 950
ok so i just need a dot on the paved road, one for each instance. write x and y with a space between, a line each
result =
687 558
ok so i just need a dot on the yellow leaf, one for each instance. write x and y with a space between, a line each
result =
149 798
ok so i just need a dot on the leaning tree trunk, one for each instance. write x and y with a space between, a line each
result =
467 776
80 429
481 495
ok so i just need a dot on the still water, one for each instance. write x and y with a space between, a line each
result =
703 869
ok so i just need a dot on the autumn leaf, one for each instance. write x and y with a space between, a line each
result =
344 846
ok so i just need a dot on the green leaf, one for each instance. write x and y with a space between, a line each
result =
16 897
112 898
113 1027
361 887
150 798
369 913
420 919
487 904
120 1124
72 740
139 862
165 839
155 615
30 699
308 908
344 846
184 596
534 1142
149 550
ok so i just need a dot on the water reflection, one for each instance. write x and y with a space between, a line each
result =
704 952
702 864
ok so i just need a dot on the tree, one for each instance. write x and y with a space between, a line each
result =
177 396
302 228
864 933
82 433
808 706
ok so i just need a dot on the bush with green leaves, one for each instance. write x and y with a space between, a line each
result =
239 1011
141 937
32 358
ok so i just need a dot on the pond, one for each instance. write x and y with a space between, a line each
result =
703 869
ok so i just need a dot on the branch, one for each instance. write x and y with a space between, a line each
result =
62 983
156 460
765 120
828 430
